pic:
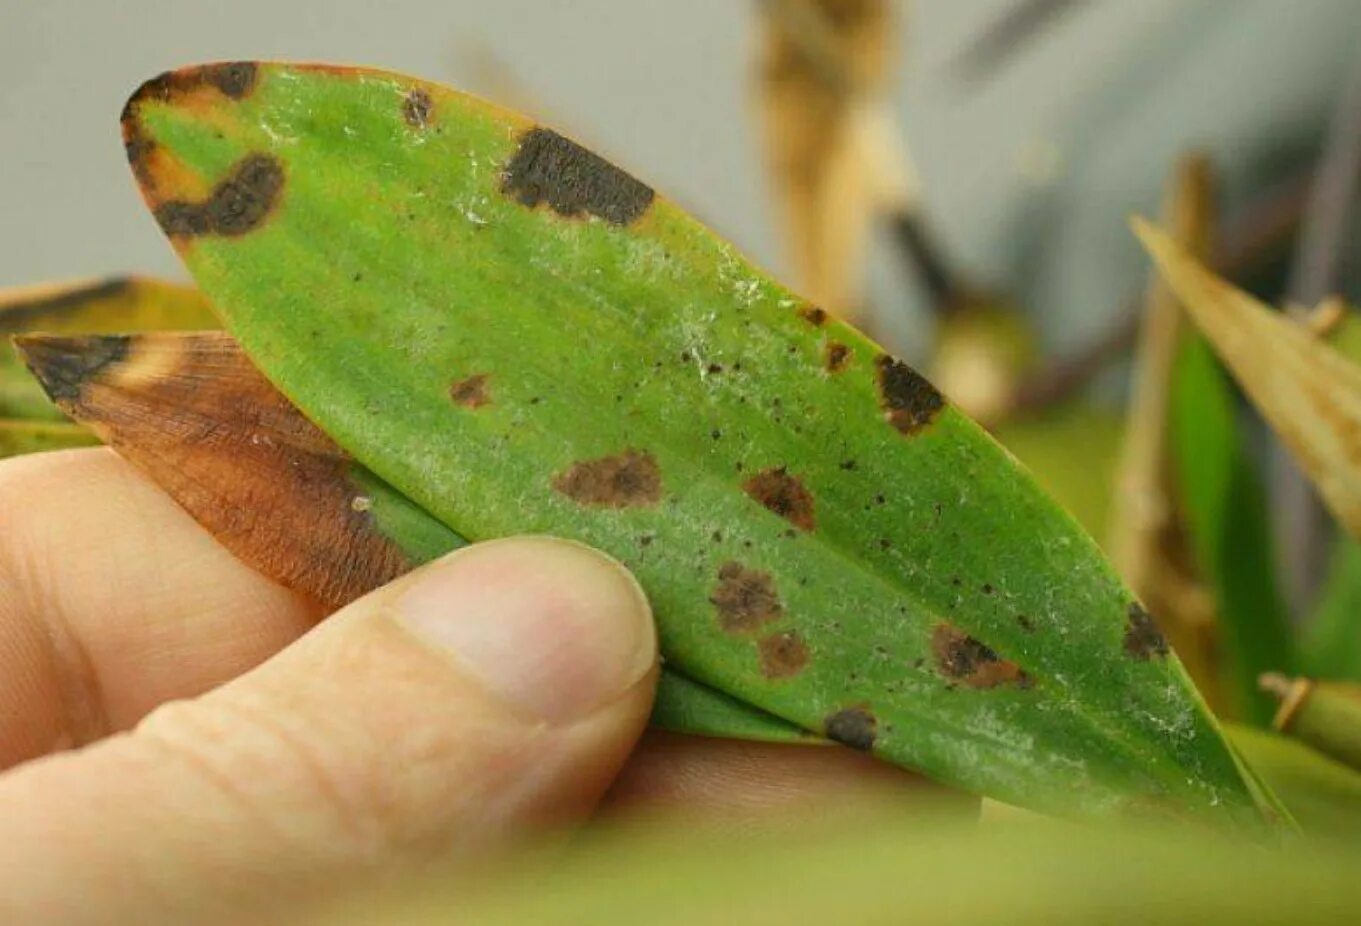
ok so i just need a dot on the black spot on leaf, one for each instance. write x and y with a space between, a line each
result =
63 365
240 203
1143 640
836 357
417 107
855 727
962 658
813 315
548 168
910 403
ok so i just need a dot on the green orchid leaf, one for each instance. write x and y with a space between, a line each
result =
519 337
191 412
112 305
1322 794
686 706
1229 525
1331 647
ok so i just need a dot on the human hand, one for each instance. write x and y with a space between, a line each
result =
176 741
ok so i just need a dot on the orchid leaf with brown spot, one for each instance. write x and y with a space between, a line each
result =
642 372
1192 532
88 307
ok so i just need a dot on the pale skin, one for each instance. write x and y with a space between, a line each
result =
180 737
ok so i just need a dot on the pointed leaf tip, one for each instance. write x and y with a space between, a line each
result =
1308 391
63 364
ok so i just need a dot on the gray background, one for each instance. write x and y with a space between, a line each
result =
1029 178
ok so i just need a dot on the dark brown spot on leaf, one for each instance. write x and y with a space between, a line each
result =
745 598
909 401
63 366
813 315
962 658
138 149
783 494
1143 640
855 727
417 108
471 391
548 168
235 79
237 205
783 655
625 480
836 357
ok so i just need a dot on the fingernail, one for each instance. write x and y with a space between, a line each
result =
552 628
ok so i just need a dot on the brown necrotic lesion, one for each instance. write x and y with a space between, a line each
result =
238 204
471 391
1143 640
783 655
746 599
550 169
856 727
624 480
909 401
784 495
971 662
417 108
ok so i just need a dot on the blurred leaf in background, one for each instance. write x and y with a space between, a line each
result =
880 866
114 305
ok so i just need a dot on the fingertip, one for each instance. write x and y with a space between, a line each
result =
553 627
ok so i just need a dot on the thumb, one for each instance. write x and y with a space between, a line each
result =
499 688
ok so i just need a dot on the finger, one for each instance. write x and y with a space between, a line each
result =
737 784
113 600
496 690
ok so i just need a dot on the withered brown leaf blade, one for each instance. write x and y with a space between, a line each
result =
825 67
1307 390
192 412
